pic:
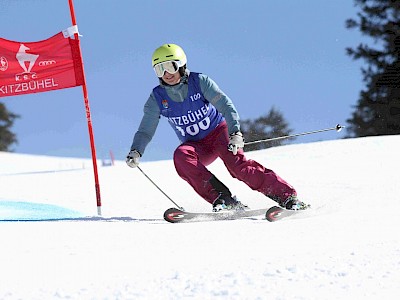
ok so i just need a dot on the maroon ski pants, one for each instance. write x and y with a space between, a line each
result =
191 159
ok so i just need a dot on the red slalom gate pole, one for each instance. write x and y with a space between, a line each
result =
88 117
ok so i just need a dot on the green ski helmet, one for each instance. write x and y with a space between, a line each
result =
168 52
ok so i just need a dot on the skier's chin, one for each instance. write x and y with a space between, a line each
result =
171 81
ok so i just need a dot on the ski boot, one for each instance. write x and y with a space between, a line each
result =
226 202
292 203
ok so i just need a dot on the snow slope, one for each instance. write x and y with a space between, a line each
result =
348 249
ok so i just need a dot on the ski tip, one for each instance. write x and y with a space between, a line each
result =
274 213
173 215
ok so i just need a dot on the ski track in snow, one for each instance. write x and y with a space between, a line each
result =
348 248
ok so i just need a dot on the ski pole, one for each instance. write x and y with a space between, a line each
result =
180 207
337 128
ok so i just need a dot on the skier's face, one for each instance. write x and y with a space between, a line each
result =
171 79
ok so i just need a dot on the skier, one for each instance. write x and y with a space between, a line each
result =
207 124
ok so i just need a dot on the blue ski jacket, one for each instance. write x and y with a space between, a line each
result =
164 96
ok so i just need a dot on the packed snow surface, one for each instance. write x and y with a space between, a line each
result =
54 246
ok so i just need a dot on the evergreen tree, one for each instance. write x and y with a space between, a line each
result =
7 138
378 109
269 126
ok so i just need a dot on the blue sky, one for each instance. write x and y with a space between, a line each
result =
262 53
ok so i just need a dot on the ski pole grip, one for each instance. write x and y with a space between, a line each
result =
339 127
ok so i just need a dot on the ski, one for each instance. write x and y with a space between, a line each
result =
175 215
276 213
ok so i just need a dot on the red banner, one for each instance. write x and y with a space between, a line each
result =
35 67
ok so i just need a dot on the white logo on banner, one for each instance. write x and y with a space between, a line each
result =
24 58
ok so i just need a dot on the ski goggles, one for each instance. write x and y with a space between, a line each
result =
171 67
